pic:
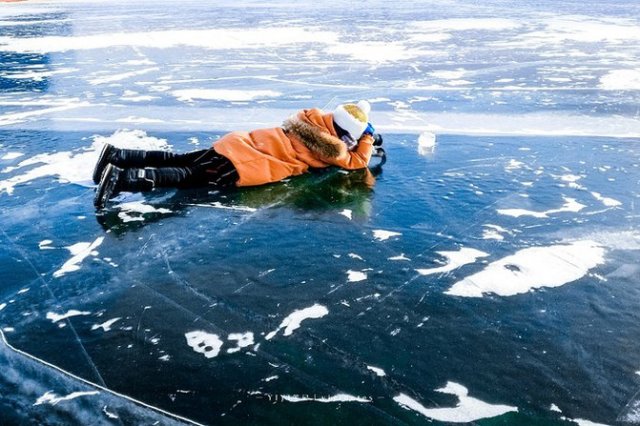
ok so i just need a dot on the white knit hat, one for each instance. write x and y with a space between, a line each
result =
352 118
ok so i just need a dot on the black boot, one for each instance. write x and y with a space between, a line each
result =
105 158
138 158
115 180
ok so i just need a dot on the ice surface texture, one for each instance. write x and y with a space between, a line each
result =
490 273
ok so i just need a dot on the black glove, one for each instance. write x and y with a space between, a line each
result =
377 139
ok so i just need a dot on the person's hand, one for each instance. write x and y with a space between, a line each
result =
369 130
377 139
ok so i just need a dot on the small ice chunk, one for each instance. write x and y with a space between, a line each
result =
555 408
355 276
293 320
426 143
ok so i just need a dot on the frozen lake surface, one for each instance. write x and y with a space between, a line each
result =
489 275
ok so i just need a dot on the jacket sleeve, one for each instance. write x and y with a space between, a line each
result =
356 159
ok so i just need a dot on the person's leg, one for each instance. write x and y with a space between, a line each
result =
135 158
115 180
208 168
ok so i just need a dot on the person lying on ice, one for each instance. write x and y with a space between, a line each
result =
310 139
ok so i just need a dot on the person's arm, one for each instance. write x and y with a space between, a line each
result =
356 159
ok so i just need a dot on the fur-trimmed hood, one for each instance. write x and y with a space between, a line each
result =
319 140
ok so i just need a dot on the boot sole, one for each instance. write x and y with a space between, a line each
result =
106 187
101 163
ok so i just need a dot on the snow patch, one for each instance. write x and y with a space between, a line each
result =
583 422
494 232
80 251
189 95
340 397
621 80
608 202
11 155
53 399
293 320
466 24
77 167
455 259
347 213
469 409
243 340
105 326
215 39
219 205
532 268
382 235
137 207
122 76
204 343
570 205
401 256
70 313
378 371
44 244
449 74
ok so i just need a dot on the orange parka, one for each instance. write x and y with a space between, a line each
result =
308 139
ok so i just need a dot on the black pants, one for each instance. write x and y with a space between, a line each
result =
189 170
